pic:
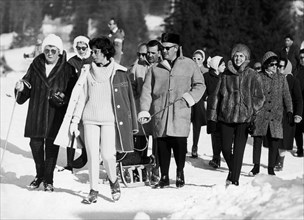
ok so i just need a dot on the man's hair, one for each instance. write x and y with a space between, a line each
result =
289 36
285 61
153 43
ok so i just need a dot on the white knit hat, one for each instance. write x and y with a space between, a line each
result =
201 52
214 62
53 40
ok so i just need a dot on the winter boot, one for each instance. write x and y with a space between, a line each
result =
271 171
92 197
279 164
194 152
180 179
35 183
115 190
255 170
48 187
164 181
215 163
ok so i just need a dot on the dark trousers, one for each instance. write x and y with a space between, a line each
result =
179 147
299 137
216 143
273 145
45 159
236 134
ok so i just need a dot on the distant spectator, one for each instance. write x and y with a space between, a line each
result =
117 36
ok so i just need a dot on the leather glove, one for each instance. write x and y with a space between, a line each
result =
57 99
211 127
74 129
251 127
290 118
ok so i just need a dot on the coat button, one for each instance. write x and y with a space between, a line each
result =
120 123
118 106
115 90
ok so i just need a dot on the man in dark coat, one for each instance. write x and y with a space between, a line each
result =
47 84
300 127
290 51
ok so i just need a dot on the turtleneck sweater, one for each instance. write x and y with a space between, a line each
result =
96 98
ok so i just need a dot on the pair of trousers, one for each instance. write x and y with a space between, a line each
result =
234 134
273 146
179 147
216 144
45 158
100 139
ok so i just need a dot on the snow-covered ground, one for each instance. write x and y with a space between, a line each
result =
203 197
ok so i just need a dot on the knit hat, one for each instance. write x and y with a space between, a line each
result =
242 48
215 62
170 37
268 55
201 52
53 40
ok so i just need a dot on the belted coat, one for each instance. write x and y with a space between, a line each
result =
123 105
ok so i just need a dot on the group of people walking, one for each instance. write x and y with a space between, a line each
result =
115 109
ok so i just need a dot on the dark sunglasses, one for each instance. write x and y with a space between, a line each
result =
141 54
272 64
281 66
47 51
95 51
167 48
81 48
197 58
258 68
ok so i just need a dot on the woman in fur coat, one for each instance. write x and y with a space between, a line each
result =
47 84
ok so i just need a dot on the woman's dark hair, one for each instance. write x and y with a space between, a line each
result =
285 61
104 44
268 61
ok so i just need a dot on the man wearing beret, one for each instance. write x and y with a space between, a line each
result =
171 87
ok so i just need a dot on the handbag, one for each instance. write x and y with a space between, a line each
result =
80 161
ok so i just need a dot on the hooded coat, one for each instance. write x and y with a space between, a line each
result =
43 118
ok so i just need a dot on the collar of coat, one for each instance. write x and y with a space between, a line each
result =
39 67
167 65
232 69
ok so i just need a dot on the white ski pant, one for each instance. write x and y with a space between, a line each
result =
100 138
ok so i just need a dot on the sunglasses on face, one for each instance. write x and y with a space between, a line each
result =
258 68
281 66
167 48
141 54
81 48
53 51
272 64
97 51
197 58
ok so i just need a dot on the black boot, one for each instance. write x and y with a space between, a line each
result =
115 190
255 170
180 179
164 181
279 164
194 152
271 171
92 197
215 163
35 183
48 187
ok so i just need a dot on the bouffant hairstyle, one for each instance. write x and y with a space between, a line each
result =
104 44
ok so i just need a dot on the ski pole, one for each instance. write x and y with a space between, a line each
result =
9 128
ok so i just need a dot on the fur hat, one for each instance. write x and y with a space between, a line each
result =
201 52
268 55
170 37
242 48
53 40
215 62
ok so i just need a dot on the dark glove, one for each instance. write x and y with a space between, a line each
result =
57 99
211 127
290 118
251 127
